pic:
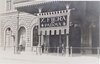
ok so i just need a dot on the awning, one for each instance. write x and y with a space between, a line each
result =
47 6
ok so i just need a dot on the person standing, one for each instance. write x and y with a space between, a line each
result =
42 48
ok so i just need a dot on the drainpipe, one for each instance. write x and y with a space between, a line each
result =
17 45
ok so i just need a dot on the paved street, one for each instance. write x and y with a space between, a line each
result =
29 58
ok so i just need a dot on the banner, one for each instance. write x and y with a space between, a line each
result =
53 21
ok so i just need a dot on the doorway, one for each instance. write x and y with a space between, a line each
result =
22 39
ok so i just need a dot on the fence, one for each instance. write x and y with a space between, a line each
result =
68 51
61 50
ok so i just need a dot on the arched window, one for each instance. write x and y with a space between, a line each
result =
35 36
8 37
22 37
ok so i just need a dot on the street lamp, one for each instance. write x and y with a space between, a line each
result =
68 26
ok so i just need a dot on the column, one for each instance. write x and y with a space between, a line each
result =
42 38
47 38
67 44
42 42
39 31
99 37
60 43
90 40
16 38
98 48
5 40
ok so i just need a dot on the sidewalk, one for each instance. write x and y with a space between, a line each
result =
30 58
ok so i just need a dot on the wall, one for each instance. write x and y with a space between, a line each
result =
10 20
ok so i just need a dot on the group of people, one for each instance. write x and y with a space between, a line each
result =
61 48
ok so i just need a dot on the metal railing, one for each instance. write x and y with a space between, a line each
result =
68 51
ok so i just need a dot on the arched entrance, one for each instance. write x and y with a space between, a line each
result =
8 38
35 36
75 38
22 38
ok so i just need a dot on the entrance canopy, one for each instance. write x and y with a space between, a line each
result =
47 6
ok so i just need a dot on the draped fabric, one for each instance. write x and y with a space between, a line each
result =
53 32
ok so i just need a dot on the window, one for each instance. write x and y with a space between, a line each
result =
8 5
35 36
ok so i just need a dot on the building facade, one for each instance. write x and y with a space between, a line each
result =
50 26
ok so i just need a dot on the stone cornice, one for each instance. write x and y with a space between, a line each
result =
8 13
29 3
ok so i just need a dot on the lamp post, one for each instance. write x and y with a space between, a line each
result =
68 26
39 32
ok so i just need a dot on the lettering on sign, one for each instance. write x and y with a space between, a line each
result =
53 21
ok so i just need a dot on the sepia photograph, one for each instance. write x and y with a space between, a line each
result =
49 32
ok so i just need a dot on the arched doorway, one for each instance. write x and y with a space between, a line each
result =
8 38
22 38
35 36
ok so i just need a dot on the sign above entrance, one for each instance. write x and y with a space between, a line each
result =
57 21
